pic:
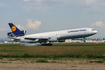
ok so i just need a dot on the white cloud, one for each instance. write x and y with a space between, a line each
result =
47 5
36 6
25 0
90 1
95 6
20 27
38 0
44 5
98 24
2 4
3 29
32 25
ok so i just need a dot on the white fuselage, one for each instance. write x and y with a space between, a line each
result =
60 35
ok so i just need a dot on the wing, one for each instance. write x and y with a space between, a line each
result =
34 38
38 39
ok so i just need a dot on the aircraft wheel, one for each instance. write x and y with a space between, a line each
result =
47 44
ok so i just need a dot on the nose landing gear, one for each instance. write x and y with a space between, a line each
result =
84 40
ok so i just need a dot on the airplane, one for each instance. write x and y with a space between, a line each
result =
47 38
5 42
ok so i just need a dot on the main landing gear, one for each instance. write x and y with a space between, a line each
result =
47 44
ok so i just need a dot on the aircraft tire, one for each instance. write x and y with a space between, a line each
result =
47 44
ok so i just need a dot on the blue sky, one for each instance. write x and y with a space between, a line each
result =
37 16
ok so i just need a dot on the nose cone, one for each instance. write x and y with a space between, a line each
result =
95 32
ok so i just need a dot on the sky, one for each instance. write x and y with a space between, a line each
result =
36 16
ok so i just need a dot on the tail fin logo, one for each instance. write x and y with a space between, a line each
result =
13 28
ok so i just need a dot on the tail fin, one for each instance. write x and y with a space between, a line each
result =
15 31
2 41
13 27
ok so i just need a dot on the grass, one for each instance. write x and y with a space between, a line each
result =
78 44
58 50
3 62
46 60
96 61
12 50
53 61
42 61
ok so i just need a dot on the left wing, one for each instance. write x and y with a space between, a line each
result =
38 39
34 38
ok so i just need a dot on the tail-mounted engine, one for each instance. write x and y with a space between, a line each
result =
19 33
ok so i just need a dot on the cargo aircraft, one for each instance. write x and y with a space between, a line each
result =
46 38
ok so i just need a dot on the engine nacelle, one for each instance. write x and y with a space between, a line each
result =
19 33
61 40
53 39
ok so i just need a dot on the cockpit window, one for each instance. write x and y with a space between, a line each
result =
93 29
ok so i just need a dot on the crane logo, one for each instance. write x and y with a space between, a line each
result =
13 28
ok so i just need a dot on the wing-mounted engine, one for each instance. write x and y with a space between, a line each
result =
62 40
19 33
54 39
